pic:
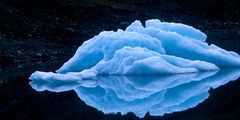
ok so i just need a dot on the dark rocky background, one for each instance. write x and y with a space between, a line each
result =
43 34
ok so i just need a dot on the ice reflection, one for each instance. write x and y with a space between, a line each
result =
141 94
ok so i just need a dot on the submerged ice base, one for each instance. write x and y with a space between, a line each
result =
157 48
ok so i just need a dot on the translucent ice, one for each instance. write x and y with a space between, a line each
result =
158 48
143 61
157 95
184 45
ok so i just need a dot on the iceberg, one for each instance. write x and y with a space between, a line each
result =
157 95
156 48
138 69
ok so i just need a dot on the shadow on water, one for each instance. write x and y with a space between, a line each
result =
157 95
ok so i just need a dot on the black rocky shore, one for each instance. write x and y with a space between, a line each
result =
43 34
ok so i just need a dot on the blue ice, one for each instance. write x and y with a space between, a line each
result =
157 95
132 70
157 48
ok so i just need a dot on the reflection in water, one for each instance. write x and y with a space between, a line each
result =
141 94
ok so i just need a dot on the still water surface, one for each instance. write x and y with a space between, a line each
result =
157 95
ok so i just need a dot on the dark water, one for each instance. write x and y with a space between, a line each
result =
157 95
206 95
